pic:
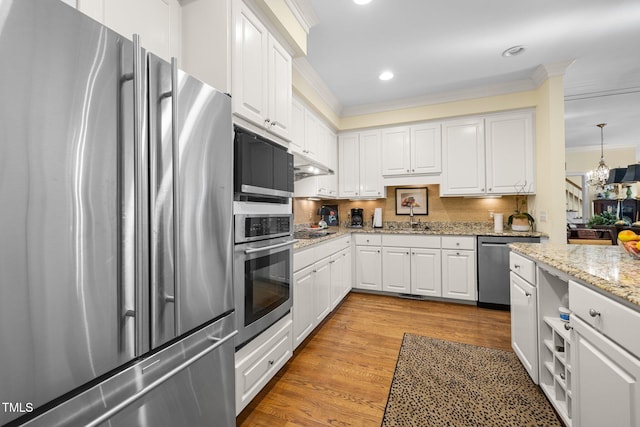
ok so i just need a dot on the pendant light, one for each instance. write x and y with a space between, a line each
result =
600 175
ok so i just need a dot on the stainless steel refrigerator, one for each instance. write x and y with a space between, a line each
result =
116 298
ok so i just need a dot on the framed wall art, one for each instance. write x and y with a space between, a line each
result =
412 197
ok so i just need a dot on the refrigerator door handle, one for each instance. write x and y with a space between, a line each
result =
133 398
176 195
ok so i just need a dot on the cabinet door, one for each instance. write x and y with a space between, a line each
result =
396 151
463 160
312 135
368 268
297 144
606 381
426 148
303 304
524 324
349 165
337 278
509 152
426 272
322 283
347 272
250 66
279 84
396 270
370 164
459 274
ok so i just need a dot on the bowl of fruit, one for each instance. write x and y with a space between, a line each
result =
630 242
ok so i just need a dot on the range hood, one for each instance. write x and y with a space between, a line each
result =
304 167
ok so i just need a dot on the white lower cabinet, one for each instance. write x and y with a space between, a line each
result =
369 268
322 284
426 272
396 270
459 278
607 384
524 319
258 361
303 304
321 279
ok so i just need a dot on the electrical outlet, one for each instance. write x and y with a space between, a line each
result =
490 214
543 216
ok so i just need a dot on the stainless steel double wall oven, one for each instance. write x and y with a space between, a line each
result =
263 220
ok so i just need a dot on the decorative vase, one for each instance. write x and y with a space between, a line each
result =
520 224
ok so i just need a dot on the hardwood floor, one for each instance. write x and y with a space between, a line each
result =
340 376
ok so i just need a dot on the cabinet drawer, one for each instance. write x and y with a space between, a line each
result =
303 258
261 359
523 267
612 319
368 239
331 247
459 242
411 241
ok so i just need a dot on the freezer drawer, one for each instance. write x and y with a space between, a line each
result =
188 383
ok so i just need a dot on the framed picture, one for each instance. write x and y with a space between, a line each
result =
416 197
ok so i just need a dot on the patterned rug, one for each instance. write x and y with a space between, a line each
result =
443 383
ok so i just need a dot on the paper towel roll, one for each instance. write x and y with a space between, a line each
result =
498 222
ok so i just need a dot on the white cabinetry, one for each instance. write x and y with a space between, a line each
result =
524 323
158 22
368 262
261 74
459 267
555 346
321 279
606 360
261 359
360 168
411 265
411 150
488 155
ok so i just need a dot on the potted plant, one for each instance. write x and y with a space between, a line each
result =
520 220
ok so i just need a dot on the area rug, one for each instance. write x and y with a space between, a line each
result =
443 383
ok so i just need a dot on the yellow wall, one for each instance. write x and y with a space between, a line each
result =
587 159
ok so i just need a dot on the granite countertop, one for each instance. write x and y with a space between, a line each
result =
607 268
435 228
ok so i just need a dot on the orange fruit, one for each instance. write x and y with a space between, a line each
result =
627 235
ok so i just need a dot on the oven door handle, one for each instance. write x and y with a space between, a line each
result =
266 248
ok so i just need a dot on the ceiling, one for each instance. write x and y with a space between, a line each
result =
451 49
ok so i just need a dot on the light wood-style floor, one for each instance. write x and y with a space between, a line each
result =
340 376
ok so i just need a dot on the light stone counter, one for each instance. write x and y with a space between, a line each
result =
435 228
607 268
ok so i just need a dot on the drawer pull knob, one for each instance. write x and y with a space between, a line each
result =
593 312
516 266
527 294
271 362
568 327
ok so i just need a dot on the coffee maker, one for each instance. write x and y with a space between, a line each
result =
356 218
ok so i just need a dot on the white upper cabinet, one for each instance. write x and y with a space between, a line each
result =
158 22
509 151
261 74
488 155
463 157
411 150
360 166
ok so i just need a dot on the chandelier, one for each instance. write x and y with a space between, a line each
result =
599 176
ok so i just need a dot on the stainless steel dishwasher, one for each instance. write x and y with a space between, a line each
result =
493 269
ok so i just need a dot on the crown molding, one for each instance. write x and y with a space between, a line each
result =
304 13
304 68
545 71
594 148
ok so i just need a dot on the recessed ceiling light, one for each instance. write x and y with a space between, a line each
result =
386 75
513 51
361 2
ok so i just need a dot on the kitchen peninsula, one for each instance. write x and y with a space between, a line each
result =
588 365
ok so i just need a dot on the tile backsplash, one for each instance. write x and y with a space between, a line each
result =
441 209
